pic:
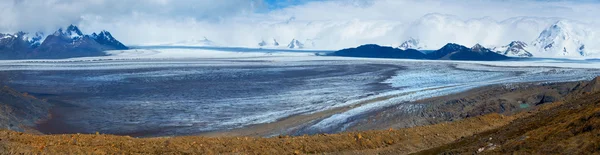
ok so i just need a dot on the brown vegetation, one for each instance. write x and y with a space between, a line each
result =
572 127
405 140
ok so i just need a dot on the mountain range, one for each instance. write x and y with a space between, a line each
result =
450 51
63 43
562 39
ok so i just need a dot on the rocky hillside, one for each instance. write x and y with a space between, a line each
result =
569 127
20 110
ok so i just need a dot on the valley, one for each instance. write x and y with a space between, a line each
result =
135 94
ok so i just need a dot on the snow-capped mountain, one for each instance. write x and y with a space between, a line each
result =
105 38
411 43
11 45
72 32
562 39
514 49
295 44
64 43
31 40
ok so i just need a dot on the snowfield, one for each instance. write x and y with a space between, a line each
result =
188 91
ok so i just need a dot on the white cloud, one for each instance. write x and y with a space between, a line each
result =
327 24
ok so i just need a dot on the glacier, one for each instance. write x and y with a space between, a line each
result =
142 92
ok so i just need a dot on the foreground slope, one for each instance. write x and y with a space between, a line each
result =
410 140
572 127
19 110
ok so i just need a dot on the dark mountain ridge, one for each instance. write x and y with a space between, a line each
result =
376 51
450 51
64 43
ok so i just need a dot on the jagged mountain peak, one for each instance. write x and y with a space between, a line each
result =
295 44
275 43
262 43
453 47
478 47
514 49
103 35
71 31
74 30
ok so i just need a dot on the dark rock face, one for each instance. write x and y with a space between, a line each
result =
64 43
376 51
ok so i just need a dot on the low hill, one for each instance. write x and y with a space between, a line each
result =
376 51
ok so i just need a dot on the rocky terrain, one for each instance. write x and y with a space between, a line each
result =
568 127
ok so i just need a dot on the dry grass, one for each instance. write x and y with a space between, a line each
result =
569 128
402 140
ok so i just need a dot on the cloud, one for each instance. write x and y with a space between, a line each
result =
324 23
51 14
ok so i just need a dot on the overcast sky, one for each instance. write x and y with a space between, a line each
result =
236 21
